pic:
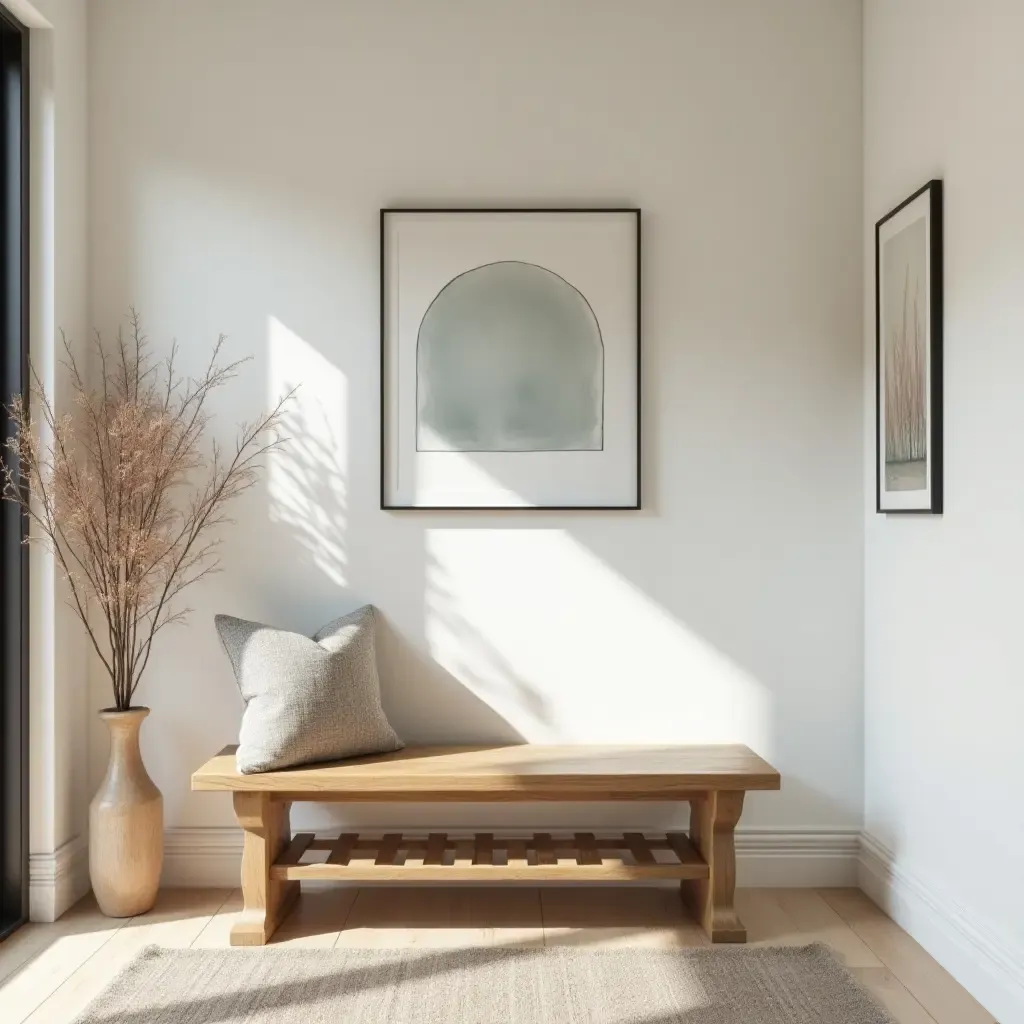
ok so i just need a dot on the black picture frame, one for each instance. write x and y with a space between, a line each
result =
932 193
632 506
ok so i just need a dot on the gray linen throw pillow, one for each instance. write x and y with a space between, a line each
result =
306 699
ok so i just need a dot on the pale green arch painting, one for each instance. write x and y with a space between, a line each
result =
509 358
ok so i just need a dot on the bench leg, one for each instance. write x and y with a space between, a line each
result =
267 832
713 819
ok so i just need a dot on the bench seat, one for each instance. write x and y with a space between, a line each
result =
712 779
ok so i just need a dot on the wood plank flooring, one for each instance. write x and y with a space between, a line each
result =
49 973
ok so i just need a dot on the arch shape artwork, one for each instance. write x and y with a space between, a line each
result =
509 358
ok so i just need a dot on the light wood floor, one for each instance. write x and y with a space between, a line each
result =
50 972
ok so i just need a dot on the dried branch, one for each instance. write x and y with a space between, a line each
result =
128 501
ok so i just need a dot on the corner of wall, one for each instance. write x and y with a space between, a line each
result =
983 962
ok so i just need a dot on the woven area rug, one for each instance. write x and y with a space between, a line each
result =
499 985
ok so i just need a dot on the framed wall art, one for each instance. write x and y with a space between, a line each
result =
908 354
510 358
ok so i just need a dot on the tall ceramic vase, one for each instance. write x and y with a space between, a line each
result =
126 824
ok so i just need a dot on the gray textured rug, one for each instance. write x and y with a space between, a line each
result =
500 985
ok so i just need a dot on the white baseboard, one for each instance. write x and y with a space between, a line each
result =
796 858
764 857
58 880
202 857
985 964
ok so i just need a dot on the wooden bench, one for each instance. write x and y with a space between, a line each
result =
712 779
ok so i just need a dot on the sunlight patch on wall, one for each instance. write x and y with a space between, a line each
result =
565 648
307 477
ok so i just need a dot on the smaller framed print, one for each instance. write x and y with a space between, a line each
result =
908 354
510 358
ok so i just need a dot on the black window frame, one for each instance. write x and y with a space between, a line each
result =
14 375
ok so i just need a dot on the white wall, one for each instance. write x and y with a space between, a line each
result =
58 710
239 154
944 97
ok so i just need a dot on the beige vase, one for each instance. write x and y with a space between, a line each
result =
126 824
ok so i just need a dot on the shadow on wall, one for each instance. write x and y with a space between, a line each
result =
307 492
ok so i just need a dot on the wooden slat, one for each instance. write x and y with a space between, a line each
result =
681 846
293 852
545 849
483 848
586 849
341 851
637 845
437 842
463 852
517 855
519 772
388 849
568 871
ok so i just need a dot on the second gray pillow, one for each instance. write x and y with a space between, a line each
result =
306 699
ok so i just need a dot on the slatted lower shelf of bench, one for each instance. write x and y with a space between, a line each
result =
541 857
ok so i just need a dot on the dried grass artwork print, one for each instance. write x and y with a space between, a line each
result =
906 362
